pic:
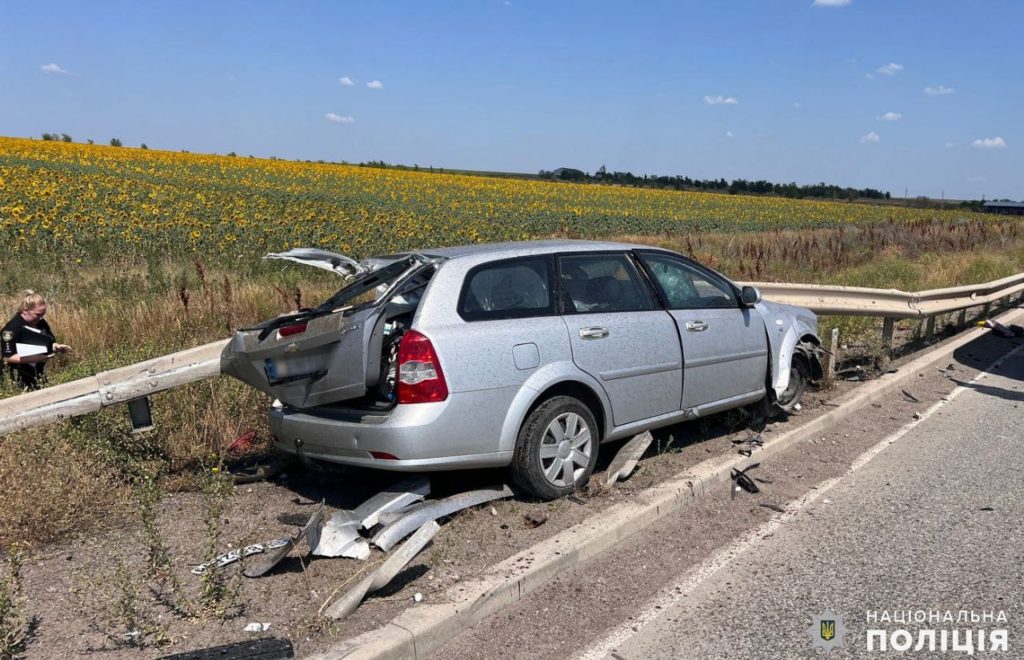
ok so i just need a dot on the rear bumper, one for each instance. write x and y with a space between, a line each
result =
460 432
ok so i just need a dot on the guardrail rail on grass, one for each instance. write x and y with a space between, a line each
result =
136 382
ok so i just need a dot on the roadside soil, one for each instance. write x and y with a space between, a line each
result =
289 598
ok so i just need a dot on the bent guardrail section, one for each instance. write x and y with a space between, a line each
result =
107 388
136 381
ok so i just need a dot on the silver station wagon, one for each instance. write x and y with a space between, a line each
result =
527 355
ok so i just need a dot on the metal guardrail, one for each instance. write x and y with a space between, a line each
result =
107 388
889 303
137 381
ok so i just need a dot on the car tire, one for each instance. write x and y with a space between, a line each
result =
557 449
799 376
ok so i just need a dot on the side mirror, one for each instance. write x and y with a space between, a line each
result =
750 295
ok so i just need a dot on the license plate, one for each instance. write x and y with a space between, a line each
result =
292 369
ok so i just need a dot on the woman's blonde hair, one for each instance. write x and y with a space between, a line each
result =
30 300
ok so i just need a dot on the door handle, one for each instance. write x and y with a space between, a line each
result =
696 326
593 333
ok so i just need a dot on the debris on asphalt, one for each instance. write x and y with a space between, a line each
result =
1000 330
741 480
417 597
917 415
535 518
386 572
573 497
257 627
402 526
627 457
910 397
986 508
773 507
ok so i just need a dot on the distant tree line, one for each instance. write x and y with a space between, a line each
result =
737 186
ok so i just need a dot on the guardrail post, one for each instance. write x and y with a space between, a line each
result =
961 320
887 328
832 356
929 329
985 310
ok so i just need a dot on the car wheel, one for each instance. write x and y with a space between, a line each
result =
799 375
557 448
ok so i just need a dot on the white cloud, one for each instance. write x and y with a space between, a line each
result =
375 84
891 116
989 143
346 81
938 90
831 3
949 145
339 119
55 68
728 134
720 100
890 69
870 137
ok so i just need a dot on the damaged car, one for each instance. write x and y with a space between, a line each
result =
522 355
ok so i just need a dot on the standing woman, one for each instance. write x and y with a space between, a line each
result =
26 342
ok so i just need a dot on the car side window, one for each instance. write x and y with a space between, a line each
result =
602 283
686 287
513 288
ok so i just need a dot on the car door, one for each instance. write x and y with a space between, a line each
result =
725 349
619 335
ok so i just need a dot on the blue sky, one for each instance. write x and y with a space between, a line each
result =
922 96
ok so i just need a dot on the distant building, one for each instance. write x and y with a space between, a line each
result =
1007 208
568 174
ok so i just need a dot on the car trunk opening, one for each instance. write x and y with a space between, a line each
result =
342 350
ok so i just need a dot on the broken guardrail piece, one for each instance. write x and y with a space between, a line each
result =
311 532
385 572
627 457
418 515
340 536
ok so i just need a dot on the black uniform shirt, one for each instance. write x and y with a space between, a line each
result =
17 331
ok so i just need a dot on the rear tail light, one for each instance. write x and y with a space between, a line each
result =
420 379
383 456
293 329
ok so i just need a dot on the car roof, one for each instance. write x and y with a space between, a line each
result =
526 248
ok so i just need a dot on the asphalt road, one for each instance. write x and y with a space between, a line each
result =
931 519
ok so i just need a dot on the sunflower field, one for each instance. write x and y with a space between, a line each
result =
90 203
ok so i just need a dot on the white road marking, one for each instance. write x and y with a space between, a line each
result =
750 540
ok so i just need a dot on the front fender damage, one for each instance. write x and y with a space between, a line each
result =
791 330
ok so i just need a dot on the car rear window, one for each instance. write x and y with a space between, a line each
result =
512 288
